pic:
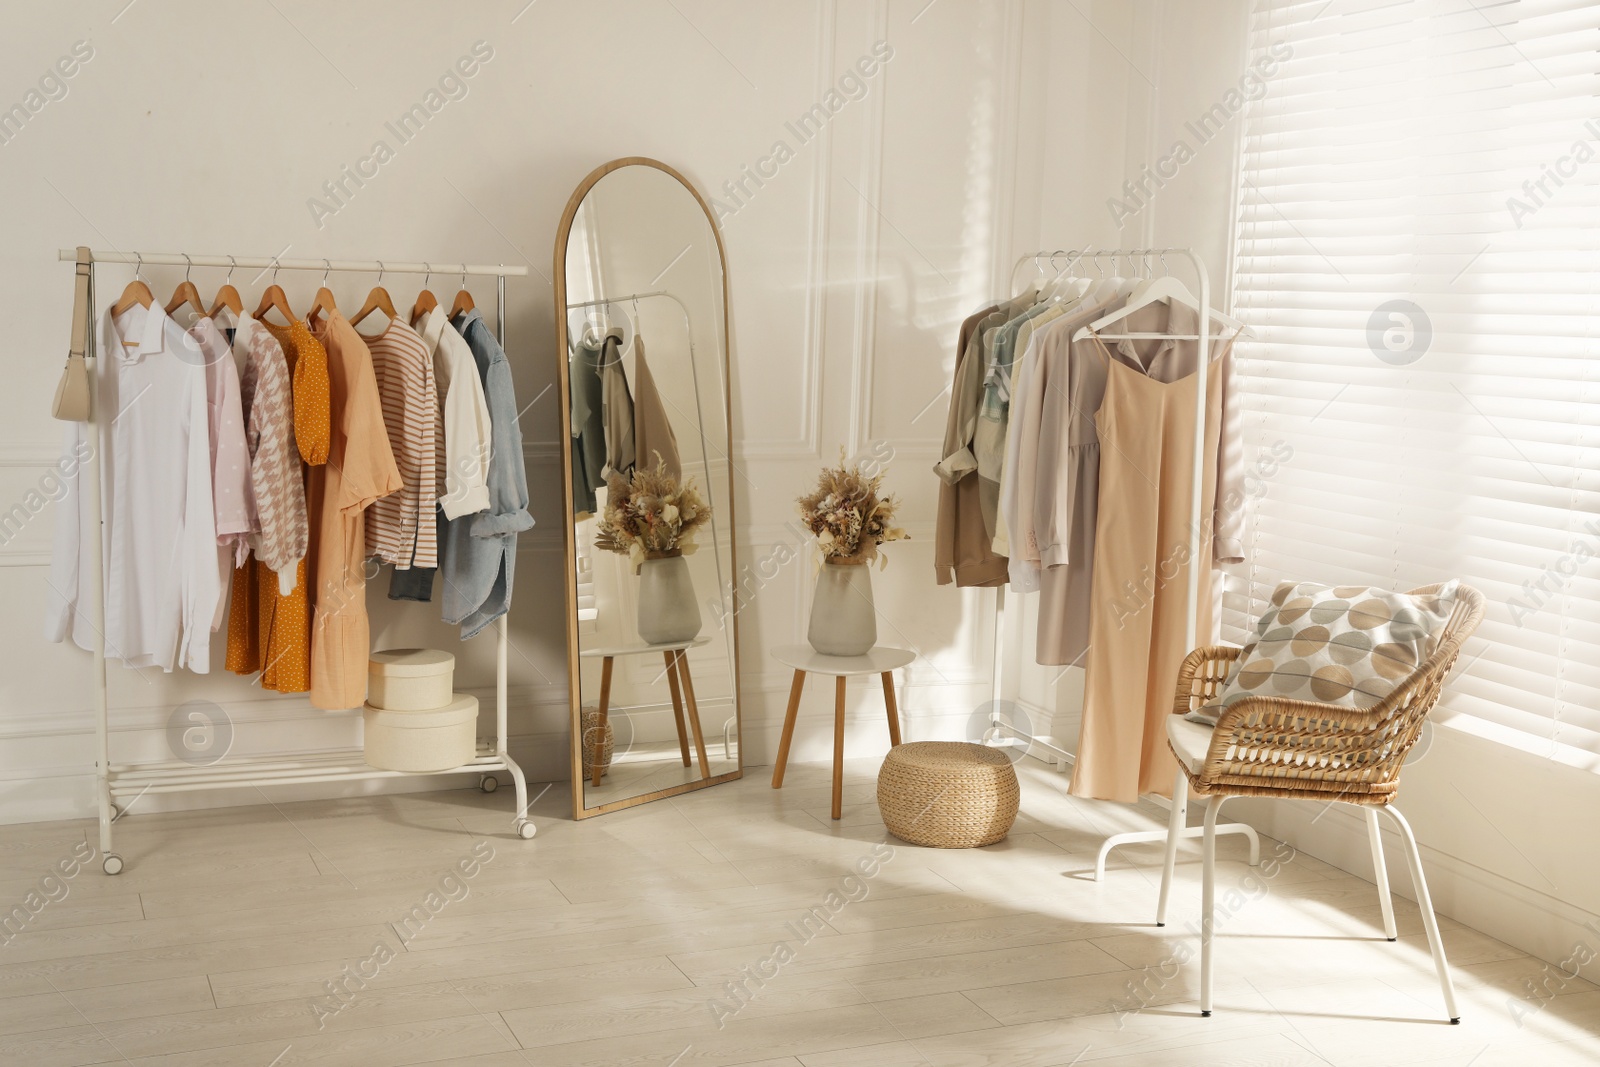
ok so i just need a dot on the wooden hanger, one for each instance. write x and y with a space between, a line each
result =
377 300
426 301
228 296
274 298
137 291
463 299
324 299
186 293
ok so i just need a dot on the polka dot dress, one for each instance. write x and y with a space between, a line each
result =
267 631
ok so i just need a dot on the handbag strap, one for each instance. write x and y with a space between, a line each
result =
81 309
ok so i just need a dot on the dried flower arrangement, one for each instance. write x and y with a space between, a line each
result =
650 515
849 515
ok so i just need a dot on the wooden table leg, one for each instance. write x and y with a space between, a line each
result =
600 722
889 705
838 747
788 728
677 706
687 682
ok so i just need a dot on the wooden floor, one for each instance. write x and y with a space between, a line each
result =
277 935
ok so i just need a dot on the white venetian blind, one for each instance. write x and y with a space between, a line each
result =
1419 256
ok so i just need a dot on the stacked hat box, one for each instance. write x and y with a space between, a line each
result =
415 721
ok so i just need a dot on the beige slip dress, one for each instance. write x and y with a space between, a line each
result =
1141 563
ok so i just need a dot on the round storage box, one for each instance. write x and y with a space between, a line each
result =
436 740
410 679
948 794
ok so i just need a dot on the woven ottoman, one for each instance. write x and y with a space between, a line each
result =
948 794
591 723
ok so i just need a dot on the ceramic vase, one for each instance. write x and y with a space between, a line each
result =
668 613
843 620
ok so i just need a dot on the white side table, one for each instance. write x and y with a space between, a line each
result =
677 675
807 660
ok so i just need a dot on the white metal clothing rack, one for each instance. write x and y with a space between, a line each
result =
1179 806
116 781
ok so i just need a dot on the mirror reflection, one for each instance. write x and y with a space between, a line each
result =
651 499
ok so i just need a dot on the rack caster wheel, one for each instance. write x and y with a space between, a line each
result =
526 829
488 783
112 863
116 813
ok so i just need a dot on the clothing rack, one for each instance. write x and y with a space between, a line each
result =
132 780
1179 806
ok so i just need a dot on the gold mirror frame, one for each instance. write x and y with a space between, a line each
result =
574 689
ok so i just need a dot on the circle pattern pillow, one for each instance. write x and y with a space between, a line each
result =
1346 645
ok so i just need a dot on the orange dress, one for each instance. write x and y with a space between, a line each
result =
269 631
360 469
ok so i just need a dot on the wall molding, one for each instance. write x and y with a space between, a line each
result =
869 249
29 456
819 212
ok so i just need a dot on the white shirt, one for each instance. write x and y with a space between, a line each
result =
1021 464
160 543
232 499
467 432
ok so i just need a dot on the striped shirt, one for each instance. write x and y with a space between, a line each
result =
400 527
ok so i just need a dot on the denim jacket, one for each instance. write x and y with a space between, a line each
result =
480 550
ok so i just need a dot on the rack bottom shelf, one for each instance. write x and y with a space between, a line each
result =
341 766
129 781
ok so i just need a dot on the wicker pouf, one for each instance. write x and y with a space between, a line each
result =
948 794
591 723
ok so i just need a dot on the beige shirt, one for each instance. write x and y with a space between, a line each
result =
1025 334
1046 353
652 427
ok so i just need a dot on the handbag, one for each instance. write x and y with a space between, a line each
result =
72 393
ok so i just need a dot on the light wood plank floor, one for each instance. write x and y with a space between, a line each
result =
733 926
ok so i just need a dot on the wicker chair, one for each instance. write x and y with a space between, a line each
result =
1302 750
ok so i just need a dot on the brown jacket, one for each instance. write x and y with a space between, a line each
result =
962 548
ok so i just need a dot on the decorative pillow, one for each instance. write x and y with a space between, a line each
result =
1344 645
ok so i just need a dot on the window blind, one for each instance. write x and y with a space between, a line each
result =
1418 254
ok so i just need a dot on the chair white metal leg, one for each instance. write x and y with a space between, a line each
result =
1380 870
1419 882
1136 837
1208 900
1176 824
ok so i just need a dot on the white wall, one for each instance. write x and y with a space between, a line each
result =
207 128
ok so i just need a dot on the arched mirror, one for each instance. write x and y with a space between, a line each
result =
651 630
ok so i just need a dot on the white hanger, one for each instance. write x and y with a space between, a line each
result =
1067 288
1107 287
1165 289
1034 285
595 324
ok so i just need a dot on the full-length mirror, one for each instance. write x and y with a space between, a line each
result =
652 632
